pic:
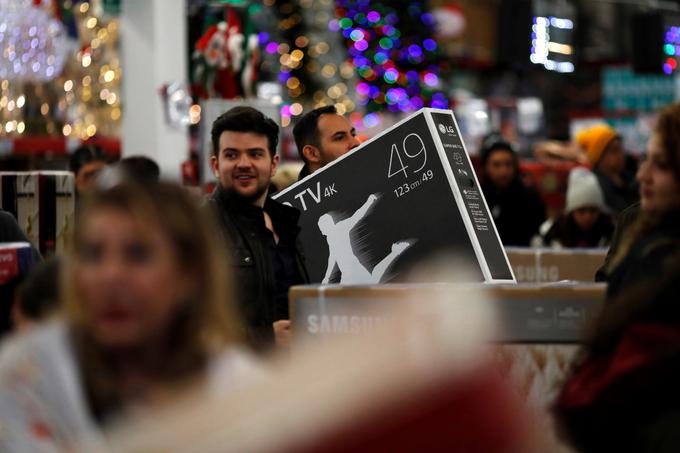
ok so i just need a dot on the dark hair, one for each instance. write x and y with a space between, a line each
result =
492 143
653 300
569 234
84 155
245 119
39 293
140 169
306 130
495 142
668 128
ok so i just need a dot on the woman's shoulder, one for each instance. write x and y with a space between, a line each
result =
233 368
39 384
40 341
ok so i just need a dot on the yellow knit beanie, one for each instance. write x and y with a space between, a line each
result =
594 140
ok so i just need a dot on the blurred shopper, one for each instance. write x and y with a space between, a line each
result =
655 237
262 233
321 136
517 210
140 168
604 149
623 395
86 163
132 169
38 295
146 313
584 222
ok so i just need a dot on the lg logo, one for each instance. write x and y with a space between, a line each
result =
443 129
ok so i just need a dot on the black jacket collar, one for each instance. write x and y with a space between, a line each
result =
304 172
282 215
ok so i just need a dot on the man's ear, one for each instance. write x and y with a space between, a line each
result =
215 166
275 164
311 153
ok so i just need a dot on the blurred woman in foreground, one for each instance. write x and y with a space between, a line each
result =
146 313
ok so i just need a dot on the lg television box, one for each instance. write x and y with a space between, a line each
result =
401 197
44 205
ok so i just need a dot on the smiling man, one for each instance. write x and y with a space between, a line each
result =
261 233
321 136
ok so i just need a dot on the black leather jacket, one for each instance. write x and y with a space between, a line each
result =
243 227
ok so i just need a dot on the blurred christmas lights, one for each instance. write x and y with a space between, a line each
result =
671 49
397 62
81 102
33 45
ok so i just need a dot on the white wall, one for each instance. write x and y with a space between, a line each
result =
154 52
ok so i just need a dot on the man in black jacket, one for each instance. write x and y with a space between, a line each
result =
261 233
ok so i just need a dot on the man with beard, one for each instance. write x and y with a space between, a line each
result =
261 233
321 136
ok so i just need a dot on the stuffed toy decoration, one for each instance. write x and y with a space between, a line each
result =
252 61
219 58
450 21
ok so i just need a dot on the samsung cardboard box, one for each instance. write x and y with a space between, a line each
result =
399 198
541 328
43 203
533 265
528 313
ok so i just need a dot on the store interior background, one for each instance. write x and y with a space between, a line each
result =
146 77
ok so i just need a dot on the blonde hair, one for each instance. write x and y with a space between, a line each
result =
209 322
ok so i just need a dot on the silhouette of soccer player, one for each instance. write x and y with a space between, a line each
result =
341 252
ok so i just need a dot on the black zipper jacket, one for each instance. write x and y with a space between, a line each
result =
254 277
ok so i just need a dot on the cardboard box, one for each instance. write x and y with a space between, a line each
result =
401 197
531 265
529 313
16 258
541 329
43 203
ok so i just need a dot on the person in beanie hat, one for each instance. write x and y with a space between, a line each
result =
585 222
604 149
517 210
